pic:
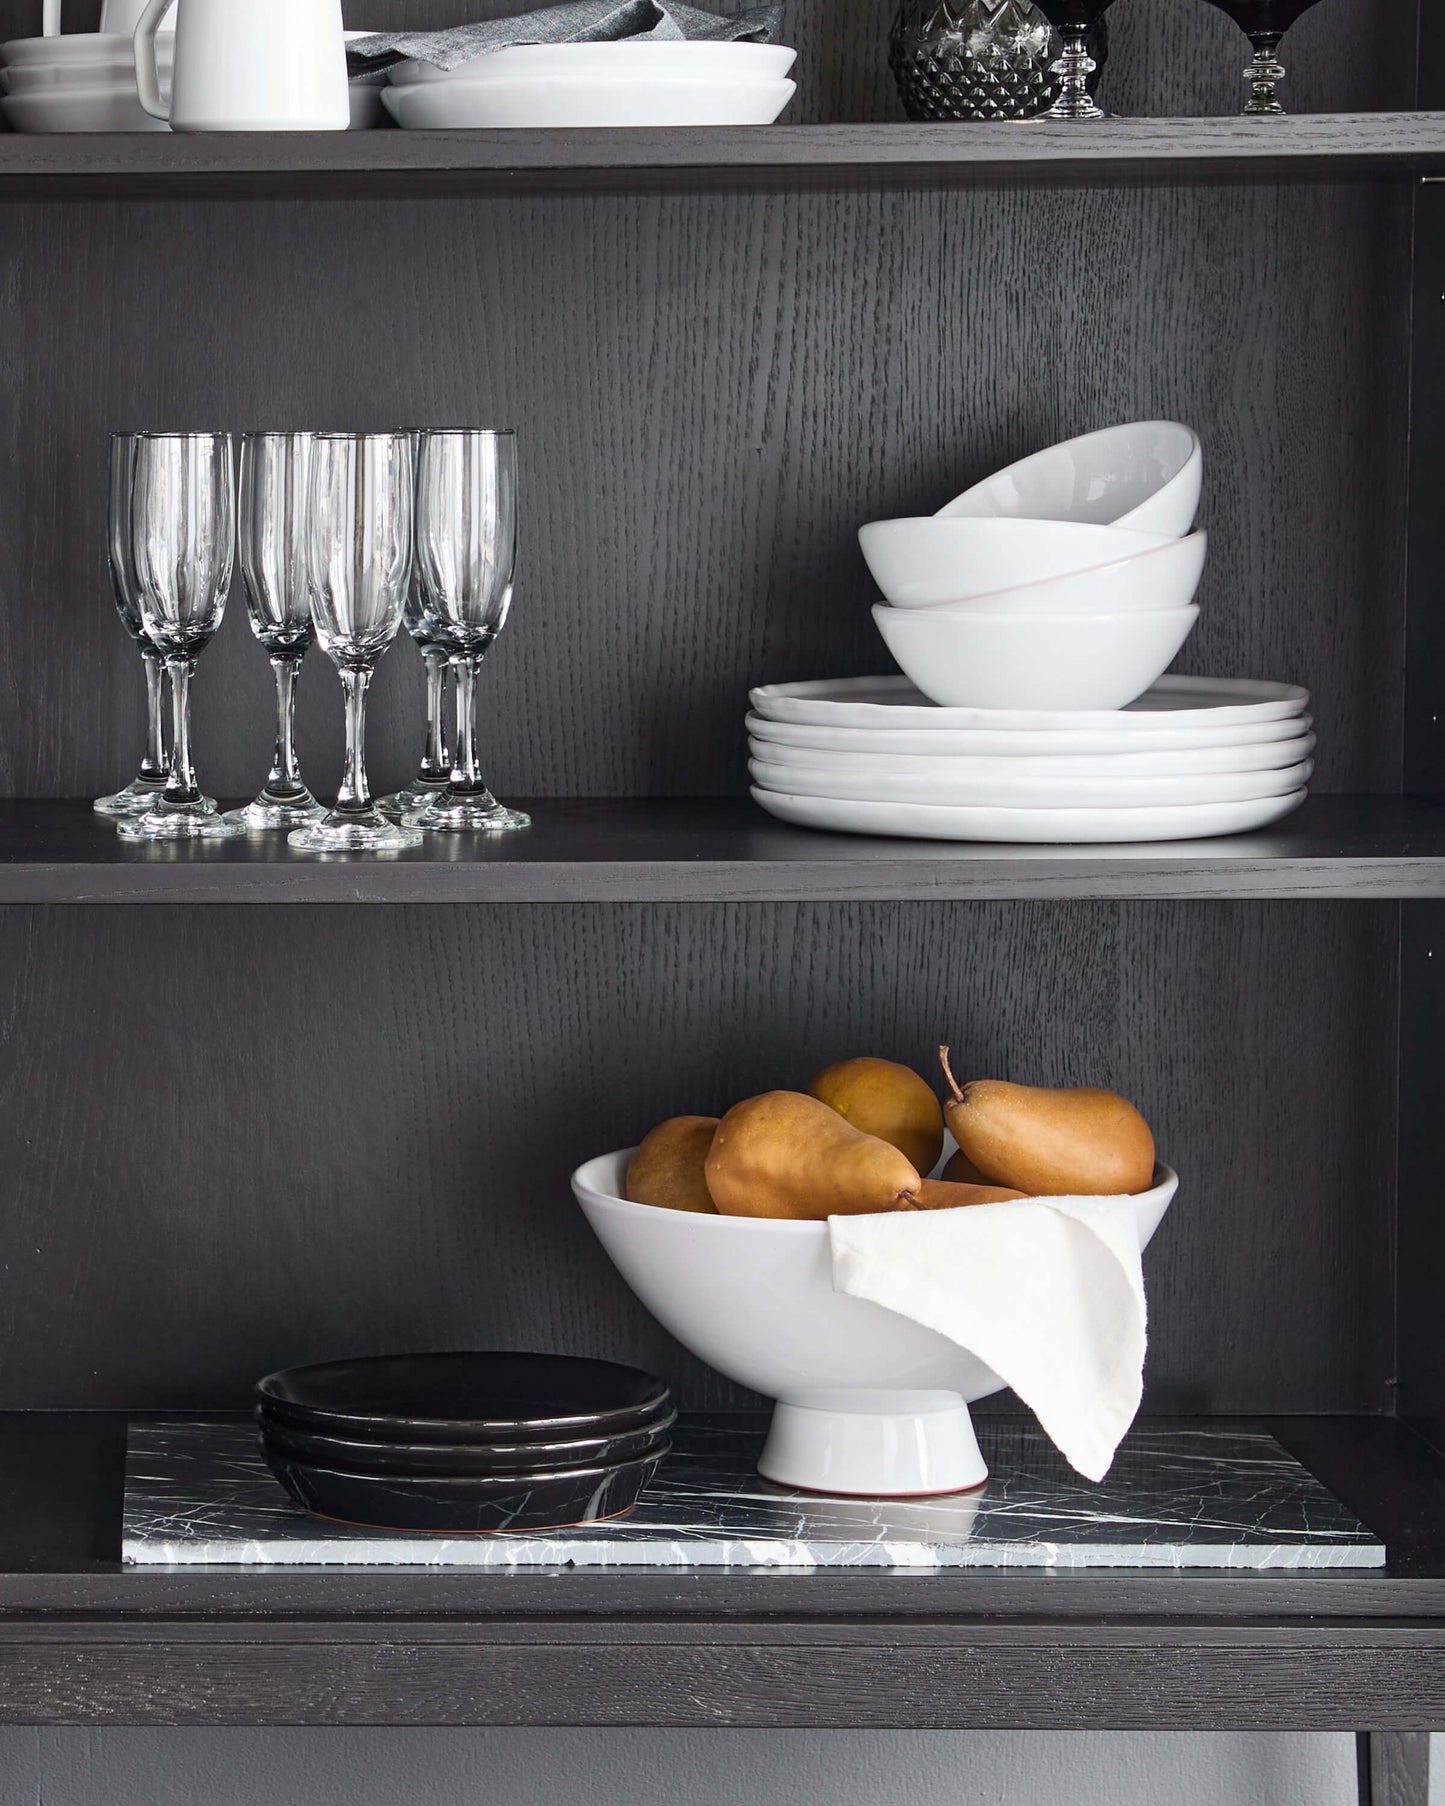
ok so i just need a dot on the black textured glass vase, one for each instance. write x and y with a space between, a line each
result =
977 59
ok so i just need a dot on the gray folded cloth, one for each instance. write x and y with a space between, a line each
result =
577 22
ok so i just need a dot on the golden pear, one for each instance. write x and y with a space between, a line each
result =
882 1098
785 1154
942 1194
1074 1142
960 1170
668 1168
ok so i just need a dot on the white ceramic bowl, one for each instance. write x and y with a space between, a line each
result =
112 108
78 48
1146 474
1020 790
1203 762
869 1402
930 560
56 77
1166 577
623 61
536 102
1034 661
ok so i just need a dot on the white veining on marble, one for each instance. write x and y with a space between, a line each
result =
1178 1496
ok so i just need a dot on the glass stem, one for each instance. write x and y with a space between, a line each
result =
181 789
436 761
1073 69
466 778
284 784
1263 73
153 765
354 796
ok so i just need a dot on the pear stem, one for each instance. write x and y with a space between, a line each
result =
953 1084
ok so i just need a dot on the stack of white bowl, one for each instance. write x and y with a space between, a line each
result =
1033 618
82 82
629 82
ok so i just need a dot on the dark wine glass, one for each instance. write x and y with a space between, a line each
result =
1074 20
1264 23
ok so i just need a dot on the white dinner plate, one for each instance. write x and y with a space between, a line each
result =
962 786
1275 756
535 102
623 60
1057 827
894 703
1024 742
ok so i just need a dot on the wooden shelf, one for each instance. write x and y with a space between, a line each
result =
784 156
83 1640
682 850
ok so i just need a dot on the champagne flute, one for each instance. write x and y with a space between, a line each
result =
183 526
142 791
358 558
1264 23
1074 20
466 554
272 536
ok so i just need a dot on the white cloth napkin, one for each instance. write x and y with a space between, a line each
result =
1049 1293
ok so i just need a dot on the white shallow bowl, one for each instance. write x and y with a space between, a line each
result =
931 560
1020 743
1204 762
1166 577
1016 790
624 61
536 102
1050 827
869 1401
115 108
49 78
78 48
893 702
1034 661
1146 474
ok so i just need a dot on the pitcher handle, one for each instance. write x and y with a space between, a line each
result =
147 76
51 25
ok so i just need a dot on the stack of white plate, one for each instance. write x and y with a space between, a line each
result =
1192 757
631 82
82 82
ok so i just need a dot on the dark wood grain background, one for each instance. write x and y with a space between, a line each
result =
713 391
244 1137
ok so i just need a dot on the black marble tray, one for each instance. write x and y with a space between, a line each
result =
1180 1495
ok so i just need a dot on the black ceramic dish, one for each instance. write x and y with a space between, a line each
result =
470 1398
464 1507
458 1459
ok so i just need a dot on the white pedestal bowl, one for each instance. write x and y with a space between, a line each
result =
868 1402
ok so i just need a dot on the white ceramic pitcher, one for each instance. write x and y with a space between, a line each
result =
118 18
248 66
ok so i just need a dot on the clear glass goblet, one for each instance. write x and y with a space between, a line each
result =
1264 23
435 769
466 502
1074 20
143 790
183 527
358 557
272 541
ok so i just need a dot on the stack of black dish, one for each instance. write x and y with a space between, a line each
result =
465 1442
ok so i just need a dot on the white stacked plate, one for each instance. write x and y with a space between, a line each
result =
633 82
1192 757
